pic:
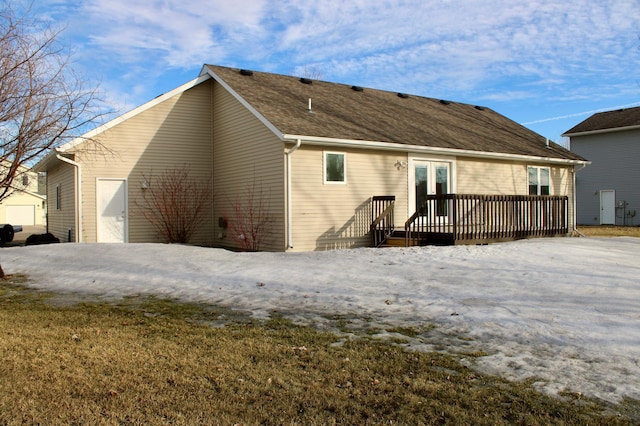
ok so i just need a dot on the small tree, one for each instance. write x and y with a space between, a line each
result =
175 204
249 220
43 103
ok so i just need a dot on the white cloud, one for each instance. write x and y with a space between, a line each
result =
180 34
459 45
467 50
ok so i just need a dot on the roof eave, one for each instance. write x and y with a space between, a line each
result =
600 131
390 146
33 194
45 162
52 158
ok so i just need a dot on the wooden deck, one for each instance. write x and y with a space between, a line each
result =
474 219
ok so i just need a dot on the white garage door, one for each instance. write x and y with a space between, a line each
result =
21 215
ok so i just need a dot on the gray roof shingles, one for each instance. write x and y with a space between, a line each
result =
610 120
340 112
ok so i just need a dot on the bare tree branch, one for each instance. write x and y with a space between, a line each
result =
312 72
43 103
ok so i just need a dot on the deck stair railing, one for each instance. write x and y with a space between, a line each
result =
415 227
382 220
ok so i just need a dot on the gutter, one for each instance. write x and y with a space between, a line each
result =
78 215
599 131
288 153
389 146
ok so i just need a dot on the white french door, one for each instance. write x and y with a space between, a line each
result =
429 178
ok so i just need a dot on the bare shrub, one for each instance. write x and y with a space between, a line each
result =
249 220
175 204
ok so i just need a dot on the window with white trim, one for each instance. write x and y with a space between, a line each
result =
539 180
335 167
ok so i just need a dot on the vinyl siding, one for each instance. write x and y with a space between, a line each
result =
330 216
61 221
247 157
173 134
506 178
491 177
614 166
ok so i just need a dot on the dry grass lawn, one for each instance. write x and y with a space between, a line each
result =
156 362
610 231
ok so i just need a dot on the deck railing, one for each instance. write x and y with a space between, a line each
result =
382 220
470 219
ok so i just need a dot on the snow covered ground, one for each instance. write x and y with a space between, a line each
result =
565 310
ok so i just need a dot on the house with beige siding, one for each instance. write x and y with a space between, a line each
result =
326 163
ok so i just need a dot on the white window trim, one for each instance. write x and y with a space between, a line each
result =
324 168
538 168
411 179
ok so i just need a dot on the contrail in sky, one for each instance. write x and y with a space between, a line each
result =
561 117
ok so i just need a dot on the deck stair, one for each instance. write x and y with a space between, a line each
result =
396 239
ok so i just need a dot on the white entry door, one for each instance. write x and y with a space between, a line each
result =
608 207
111 207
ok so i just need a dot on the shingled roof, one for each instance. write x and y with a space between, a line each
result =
607 121
347 112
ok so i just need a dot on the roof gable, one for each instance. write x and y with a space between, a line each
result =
134 112
342 111
608 121
51 157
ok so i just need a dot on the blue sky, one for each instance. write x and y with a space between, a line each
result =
547 64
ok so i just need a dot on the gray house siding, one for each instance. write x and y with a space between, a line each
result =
615 167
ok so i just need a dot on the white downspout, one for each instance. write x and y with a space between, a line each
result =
289 203
576 169
78 220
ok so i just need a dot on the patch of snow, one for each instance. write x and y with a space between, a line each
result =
564 310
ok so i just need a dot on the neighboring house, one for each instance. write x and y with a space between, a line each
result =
608 191
316 152
26 203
